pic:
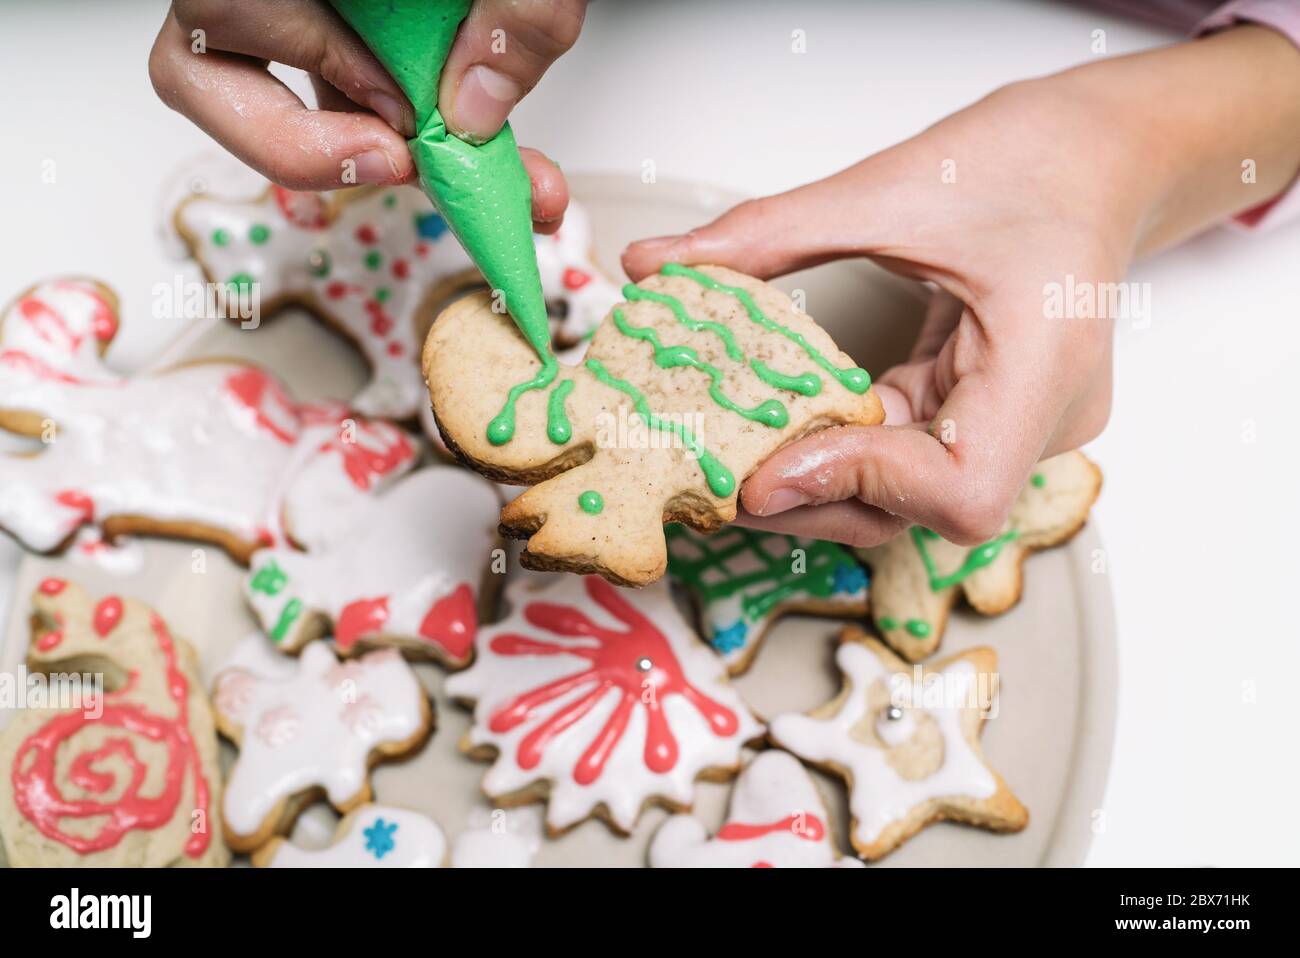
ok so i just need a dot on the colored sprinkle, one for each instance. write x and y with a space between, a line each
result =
977 559
591 502
382 294
769 412
258 234
318 262
390 200
854 379
719 477
241 281
220 237
288 615
558 429
1039 480
374 259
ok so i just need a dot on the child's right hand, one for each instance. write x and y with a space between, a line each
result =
209 64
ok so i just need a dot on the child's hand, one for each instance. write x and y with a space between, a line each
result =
218 79
1069 176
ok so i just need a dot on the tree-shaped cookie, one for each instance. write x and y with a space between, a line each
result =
744 580
685 389
374 264
917 576
129 778
407 573
210 450
776 820
372 836
907 744
598 700
316 730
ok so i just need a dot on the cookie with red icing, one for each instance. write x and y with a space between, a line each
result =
410 573
375 264
776 819
600 701
129 777
212 450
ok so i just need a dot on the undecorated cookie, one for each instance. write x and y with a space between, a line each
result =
315 731
776 820
408 573
213 450
372 836
743 580
598 700
916 576
374 264
129 779
907 744
685 389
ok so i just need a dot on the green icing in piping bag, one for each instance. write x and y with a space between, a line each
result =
481 190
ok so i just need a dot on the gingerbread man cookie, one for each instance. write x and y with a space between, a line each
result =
316 731
408 574
598 700
744 580
776 820
917 576
129 777
374 263
685 389
907 743
211 450
372 836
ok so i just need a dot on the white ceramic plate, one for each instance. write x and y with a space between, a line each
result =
1051 739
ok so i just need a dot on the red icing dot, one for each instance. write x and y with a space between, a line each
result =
422 249
74 499
575 278
395 349
401 269
336 290
49 641
366 234
52 586
380 322
107 615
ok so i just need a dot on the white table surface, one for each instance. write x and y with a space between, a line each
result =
1199 510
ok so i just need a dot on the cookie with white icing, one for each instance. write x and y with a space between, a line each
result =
213 450
907 743
316 731
409 574
776 820
743 580
372 836
685 389
598 700
917 576
126 779
498 838
374 263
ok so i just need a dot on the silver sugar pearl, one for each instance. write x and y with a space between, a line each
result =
893 713
644 664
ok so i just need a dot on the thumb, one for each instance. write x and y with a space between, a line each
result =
501 51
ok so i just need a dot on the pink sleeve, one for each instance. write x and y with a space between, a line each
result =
1284 17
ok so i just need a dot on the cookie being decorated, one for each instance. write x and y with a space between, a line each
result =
374 264
744 580
211 450
917 576
316 731
126 779
407 575
907 744
776 820
372 836
598 700
685 389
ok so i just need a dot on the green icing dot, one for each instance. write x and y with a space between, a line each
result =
318 262
382 294
592 502
390 200
374 259
1039 480
917 628
258 234
241 281
220 237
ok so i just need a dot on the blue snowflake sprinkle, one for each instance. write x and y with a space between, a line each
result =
848 578
430 225
731 638
379 838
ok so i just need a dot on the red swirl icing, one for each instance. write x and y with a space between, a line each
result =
41 801
807 827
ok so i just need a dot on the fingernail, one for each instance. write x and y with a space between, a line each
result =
783 500
390 109
483 102
374 166
654 245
